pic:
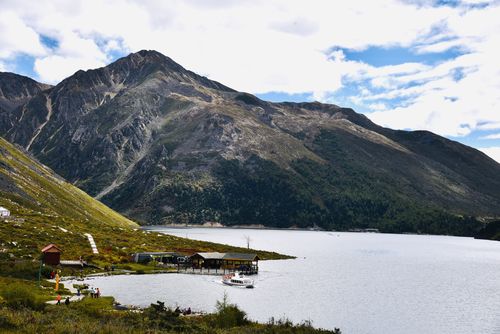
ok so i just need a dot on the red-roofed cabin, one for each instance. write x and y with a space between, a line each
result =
51 255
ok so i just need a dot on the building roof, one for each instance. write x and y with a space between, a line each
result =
3 209
240 256
228 256
49 247
73 263
159 253
211 255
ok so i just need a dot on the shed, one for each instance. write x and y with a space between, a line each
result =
211 260
51 255
232 261
241 261
4 212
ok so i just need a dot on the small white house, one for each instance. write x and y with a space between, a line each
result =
4 212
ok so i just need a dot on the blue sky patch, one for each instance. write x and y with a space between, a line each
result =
379 56
49 42
285 97
22 64
475 139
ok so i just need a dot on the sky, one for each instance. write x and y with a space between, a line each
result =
414 65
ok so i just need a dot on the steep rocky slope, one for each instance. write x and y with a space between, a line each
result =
162 144
15 90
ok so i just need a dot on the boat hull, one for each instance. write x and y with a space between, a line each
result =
238 283
248 286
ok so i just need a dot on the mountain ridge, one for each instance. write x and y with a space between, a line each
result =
163 144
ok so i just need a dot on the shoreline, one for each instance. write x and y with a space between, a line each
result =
234 227
310 229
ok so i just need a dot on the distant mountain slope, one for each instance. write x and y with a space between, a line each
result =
490 231
162 144
15 90
46 209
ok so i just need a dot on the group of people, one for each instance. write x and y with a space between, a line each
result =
184 312
94 293
59 298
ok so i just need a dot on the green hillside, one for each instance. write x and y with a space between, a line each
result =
46 209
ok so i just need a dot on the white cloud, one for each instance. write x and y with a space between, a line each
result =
73 53
455 97
489 126
52 68
440 46
492 152
17 37
377 106
255 46
492 136
286 46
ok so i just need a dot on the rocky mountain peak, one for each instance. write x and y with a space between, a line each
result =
16 89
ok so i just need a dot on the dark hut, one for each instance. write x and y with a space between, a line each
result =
51 255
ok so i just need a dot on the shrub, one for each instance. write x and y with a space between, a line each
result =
20 269
19 296
229 315
94 307
5 322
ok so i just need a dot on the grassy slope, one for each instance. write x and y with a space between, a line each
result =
54 211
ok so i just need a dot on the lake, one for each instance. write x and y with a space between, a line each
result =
360 282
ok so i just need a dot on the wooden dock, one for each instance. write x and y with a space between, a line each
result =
216 271
204 263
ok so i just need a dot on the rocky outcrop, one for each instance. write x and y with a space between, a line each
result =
15 91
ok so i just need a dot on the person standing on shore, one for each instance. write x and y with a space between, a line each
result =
58 298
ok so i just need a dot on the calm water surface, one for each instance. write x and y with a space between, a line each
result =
362 283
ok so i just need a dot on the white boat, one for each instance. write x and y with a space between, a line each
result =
237 280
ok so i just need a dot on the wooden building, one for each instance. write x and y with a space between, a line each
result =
209 260
246 263
241 262
51 255
164 257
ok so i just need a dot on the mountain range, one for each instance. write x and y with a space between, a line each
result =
161 144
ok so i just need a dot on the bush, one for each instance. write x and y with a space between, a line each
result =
20 269
161 316
94 307
5 322
229 315
19 296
